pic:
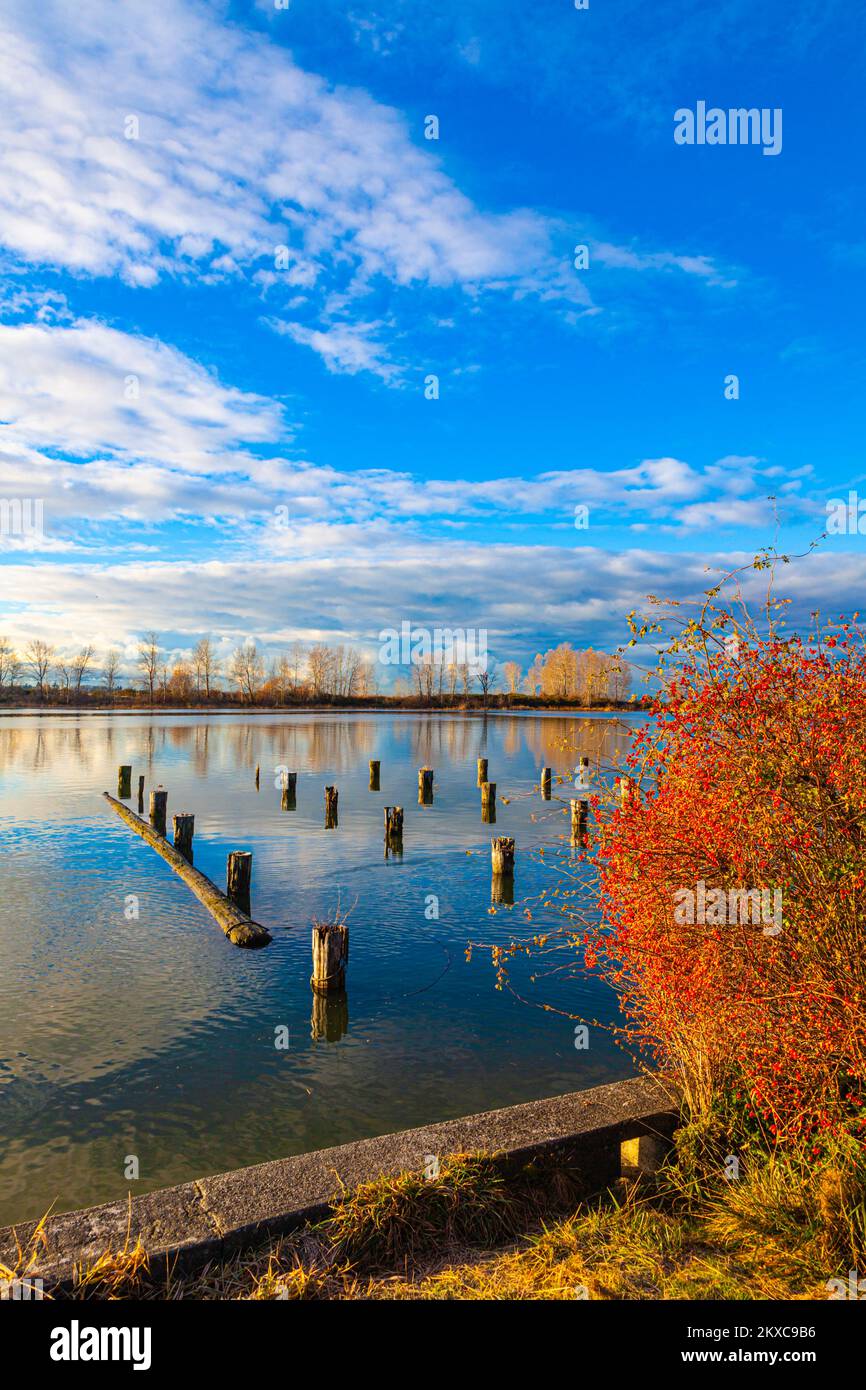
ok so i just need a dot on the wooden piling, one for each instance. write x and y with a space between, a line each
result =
158 803
238 927
258 774
183 825
579 816
239 873
374 774
425 785
124 780
502 855
331 816
482 771
393 824
583 773
488 802
141 795
330 957
545 783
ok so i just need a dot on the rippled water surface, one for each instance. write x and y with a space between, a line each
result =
155 1037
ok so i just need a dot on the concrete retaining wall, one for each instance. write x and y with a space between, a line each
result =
211 1217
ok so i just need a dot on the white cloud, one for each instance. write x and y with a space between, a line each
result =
238 152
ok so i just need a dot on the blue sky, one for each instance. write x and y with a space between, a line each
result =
170 379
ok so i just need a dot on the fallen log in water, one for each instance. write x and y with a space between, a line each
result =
238 927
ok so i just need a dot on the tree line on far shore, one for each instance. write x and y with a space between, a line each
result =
304 674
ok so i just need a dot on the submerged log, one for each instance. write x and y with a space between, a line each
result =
238 927
375 766
124 780
330 957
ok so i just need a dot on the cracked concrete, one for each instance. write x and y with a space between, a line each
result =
198 1221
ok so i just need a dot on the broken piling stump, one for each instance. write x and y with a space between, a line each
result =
545 783
331 801
258 775
393 825
502 855
375 766
488 802
158 803
425 786
482 771
330 957
238 927
579 816
239 874
124 780
183 826
141 795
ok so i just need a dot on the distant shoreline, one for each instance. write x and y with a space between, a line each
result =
21 710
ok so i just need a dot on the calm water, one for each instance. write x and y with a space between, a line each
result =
156 1038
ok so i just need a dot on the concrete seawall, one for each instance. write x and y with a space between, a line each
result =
211 1217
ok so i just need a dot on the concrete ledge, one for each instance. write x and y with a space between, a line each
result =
199 1221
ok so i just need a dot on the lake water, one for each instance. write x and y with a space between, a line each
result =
155 1037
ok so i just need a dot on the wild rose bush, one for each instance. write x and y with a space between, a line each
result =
750 776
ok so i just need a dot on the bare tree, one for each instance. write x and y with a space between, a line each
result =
205 665
148 660
485 681
38 657
79 665
10 665
110 670
247 670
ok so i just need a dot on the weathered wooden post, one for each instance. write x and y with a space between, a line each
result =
258 774
488 802
158 803
288 798
183 825
583 774
374 774
331 816
425 785
239 875
124 781
502 855
482 771
330 957
141 795
393 824
545 783
579 813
